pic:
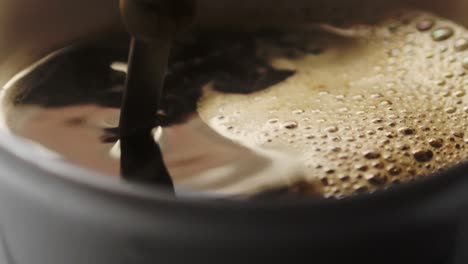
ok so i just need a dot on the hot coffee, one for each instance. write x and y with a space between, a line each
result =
333 110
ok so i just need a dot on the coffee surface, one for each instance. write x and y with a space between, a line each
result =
375 106
328 110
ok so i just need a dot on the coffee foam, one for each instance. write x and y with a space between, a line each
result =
378 105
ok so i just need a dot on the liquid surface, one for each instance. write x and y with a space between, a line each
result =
329 111
382 105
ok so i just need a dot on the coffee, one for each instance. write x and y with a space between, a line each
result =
375 106
343 110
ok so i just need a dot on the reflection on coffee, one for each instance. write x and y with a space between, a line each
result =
328 110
